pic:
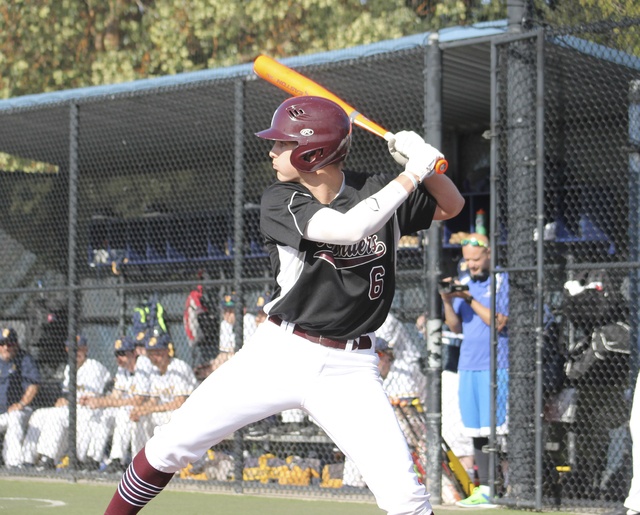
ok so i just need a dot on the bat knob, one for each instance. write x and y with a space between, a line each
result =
442 166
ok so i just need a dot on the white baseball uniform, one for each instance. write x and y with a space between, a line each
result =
178 381
115 421
47 430
342 292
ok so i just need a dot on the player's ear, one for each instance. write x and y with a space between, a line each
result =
312 157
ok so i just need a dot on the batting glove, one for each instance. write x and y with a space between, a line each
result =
421 158
401 159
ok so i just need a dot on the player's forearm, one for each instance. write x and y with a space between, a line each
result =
116 400
138 400
447 196
362 220
28 395
168 406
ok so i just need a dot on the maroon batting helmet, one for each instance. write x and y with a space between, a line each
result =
319 126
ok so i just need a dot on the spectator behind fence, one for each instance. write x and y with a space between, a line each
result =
19 384
115 423
170 383
469 312
46 438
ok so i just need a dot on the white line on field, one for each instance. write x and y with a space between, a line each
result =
50 503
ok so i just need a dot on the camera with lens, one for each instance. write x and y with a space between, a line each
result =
451 287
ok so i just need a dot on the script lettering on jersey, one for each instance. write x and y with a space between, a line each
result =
349 256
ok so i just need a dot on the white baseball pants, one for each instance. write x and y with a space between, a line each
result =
13 424
277 371
48 429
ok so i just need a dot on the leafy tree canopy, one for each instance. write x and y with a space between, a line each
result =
48 46
54 45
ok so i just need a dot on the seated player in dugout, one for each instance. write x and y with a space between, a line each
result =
113 430
331 235
46 439
170 383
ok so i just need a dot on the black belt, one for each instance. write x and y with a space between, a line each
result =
364 342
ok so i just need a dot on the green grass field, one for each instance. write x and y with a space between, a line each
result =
28 497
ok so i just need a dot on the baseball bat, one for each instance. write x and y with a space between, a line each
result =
297 85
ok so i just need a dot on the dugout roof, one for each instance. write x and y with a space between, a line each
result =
466 92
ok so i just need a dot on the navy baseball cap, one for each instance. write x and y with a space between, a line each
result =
262 300
81 341
9 336
124 343
140 339
162 341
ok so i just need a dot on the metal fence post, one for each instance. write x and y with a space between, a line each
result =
634 224
433 131
238 251
71 281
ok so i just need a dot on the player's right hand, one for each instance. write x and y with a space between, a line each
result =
401 159
421 157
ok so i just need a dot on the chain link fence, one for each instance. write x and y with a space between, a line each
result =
134 210
132 215
565 199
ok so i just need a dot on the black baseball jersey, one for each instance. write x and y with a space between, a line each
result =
339 291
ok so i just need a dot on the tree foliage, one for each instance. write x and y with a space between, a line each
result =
46 46
563 12
611 23
53 45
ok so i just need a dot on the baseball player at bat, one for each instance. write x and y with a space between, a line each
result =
331 235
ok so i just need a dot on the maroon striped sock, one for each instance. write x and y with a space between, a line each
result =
139 484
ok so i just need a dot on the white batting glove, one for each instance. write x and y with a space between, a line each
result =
401 159
421 157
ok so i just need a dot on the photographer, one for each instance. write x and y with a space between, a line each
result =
467 310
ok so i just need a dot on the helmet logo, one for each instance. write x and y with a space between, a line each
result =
306 132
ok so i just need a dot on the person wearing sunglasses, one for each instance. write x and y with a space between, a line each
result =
132 378
19 384
467 310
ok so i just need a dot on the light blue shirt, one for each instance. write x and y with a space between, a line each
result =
475 348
